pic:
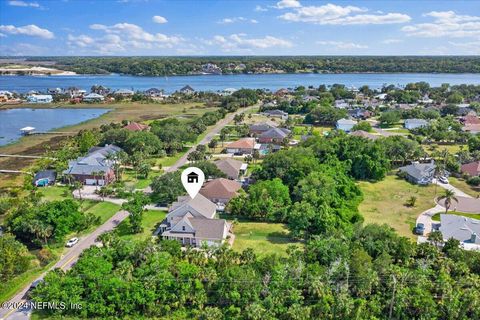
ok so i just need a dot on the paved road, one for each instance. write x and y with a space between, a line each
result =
69 259
426 216
65 263
216 130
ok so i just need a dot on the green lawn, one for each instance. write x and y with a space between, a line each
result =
384 202
139 183
451 148
151 218
264 238
169 161
464 186
53 193
436 217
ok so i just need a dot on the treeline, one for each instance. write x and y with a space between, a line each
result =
163 66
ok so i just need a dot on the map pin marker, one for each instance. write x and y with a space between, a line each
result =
192 180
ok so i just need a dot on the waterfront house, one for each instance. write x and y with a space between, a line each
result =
276 114
93 97
274 135
39 98
154 93
415 123
242 146
231 167
192 222
345 124
44 178
95 168
124 93
471 169
419 173
54 91
220 190
187 90
135 126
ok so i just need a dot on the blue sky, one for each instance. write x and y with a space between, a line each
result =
249 27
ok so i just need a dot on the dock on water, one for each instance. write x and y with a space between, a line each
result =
27 131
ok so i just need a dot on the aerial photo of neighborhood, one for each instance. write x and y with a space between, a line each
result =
257 160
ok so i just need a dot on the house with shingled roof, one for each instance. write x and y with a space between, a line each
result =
242 146
220 190
472 169
234 169
192 222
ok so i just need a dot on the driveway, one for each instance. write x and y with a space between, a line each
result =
65 263
458 192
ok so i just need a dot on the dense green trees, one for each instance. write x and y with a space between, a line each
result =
266 200
371 273
14 257
326 115
47 221
162 66
167 187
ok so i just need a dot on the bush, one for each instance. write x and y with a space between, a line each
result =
474 181
45 255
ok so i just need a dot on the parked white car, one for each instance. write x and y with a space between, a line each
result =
443 180
71 242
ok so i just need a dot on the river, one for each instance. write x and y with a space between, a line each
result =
24 84
12 120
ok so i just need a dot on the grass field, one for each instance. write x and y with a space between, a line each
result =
436 217
384 202
451 148
264 238
464 186
151 218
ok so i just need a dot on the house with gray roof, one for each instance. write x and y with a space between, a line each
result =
231 167
193 222
418 173
274 135
466 230
259 128
276 114
95 168
345 124
415 123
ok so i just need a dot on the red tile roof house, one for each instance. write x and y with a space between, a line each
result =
221 190
472 169
242 146
135 126
471 124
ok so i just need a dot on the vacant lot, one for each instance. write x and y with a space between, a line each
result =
264 238
151 219
464 186
384 202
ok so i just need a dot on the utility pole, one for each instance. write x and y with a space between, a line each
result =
393 296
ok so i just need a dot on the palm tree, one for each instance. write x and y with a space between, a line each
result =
448 196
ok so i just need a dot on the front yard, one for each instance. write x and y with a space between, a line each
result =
150 221
384 202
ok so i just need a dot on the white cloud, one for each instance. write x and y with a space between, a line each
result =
260 9
235 20
239 42
28 30
17 3
288 4
445 24
471 48
159 19
391 41
121 37
331 14
342 45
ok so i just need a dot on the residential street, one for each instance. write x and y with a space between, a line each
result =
88 192
65 263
